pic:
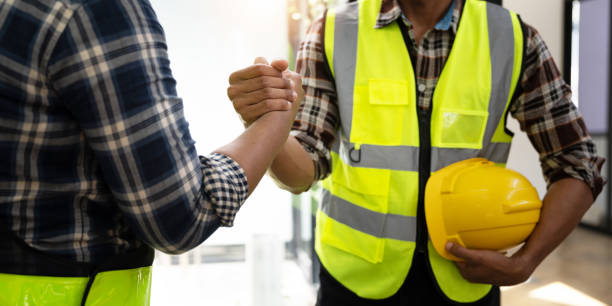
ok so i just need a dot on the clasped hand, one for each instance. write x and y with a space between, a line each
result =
492 267
262 88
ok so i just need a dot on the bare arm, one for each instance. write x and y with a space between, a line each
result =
565 203
292 169
260 93
257 146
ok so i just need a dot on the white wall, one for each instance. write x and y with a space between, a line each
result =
547 17
208 40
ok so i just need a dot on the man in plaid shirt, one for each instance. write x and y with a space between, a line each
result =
96 158
542 105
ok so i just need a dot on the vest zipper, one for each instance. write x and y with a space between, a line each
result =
424 118
424 172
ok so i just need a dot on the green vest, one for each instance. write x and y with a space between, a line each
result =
117 288
371 219
37 278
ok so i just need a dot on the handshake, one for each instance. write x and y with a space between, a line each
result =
263 88
267 97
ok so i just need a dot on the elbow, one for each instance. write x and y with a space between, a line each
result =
298 190
179 237
295 189
176 249
172 250
294 186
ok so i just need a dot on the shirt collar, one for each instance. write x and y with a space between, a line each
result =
390 11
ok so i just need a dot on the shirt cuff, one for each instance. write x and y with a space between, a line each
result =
317 151
568 166
225 185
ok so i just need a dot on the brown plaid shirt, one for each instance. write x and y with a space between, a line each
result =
543 108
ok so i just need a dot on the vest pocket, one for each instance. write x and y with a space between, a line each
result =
364 187
380 111
359 198
345 238
460 129
350 231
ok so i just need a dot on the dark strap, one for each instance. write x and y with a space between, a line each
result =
16 257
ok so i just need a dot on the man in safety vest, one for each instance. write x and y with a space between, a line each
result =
97 165
397 89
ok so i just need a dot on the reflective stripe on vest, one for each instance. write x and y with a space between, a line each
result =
379 225
130 287
405 158
366 226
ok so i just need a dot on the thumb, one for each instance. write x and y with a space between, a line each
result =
260 60
280 64
459 251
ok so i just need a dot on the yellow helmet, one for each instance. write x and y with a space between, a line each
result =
480 206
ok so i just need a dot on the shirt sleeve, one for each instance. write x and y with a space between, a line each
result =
317 119
552 122
110 69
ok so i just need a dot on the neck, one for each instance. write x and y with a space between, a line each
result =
424 13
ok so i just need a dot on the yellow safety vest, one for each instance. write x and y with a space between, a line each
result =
130 287
371 218
40 279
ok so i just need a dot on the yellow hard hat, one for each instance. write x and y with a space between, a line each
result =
479 205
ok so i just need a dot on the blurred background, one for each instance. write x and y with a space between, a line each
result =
267 258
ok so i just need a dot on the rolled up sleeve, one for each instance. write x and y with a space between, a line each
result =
552 122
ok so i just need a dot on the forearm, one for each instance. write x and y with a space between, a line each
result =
255 149
293 169
564 205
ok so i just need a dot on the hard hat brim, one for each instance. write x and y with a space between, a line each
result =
435 219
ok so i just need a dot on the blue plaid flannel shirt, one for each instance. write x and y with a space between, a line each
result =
95 153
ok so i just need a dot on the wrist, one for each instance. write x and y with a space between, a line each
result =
527 260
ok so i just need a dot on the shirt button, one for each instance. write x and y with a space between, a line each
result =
422 87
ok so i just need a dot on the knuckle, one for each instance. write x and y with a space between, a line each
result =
268 92
240 103
259 95
265 82
238 107
260 69
231 92
270 104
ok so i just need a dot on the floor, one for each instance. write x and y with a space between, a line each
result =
578 273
